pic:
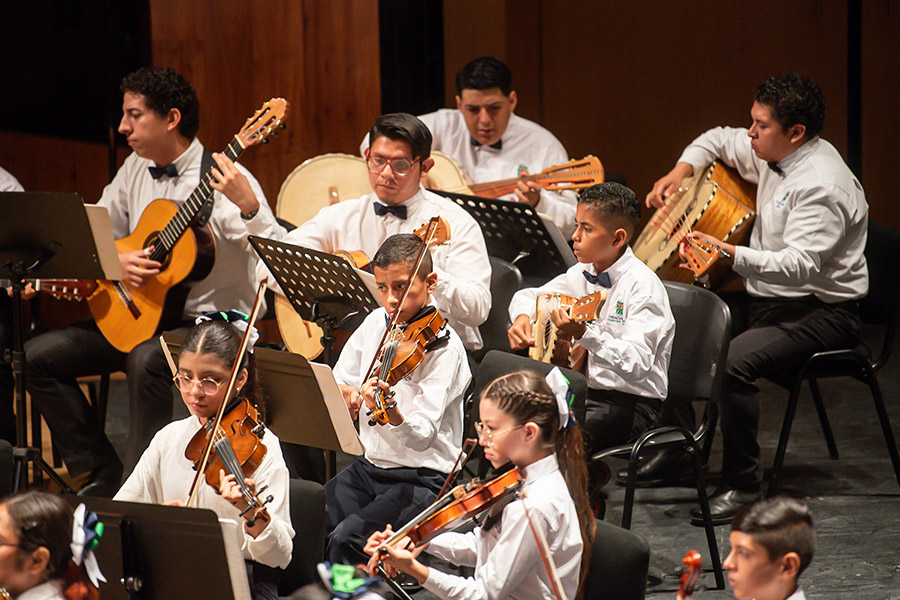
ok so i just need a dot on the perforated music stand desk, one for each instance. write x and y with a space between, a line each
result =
516 233
303 403
177 552
320 286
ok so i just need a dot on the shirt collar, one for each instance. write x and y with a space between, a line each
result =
616 269
540 468
793 159
184 160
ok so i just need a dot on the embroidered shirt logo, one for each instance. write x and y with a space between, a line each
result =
780 203
523 170
619 316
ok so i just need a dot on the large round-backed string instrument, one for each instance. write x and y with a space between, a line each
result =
715 201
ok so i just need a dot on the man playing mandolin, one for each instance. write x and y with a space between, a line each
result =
804 268
160 119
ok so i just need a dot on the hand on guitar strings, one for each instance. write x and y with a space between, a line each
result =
27 294
228 180
727 258
565 324
668 184
137 269
528 192
520 333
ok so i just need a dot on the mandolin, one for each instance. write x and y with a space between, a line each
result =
127 315
549 345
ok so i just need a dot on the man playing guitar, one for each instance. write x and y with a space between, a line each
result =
160 119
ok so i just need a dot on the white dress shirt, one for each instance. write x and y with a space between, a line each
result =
49 590
797 595
506 558
231 283
163 474
629 346
810 229
429 398
463 293
8 183
527 147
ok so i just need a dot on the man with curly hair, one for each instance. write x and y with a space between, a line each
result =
804 269
160 119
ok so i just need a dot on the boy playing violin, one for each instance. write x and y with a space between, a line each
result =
629 345
408 457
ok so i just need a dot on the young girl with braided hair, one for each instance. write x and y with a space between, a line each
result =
36 550
525 420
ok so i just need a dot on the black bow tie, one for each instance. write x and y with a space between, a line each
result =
383 209
774 166
601 279
169 170
498 145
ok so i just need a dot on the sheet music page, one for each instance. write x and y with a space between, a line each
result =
101 227
369 280
337 410
236 566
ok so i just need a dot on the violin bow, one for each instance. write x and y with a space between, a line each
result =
232 382
467 447
544 551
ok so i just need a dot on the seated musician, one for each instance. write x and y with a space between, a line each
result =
8 183
160 118
772 543
491 142
407 459
527 423
804 268
164 475
398 157
628 347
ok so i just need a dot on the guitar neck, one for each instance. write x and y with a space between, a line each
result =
176 227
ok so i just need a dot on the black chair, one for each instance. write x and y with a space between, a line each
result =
506 280
878 308
308 519
696 367
619 563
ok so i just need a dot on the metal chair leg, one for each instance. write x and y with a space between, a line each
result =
886 428
707 518
823 418
783 438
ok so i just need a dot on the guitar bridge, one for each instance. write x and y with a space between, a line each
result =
125 297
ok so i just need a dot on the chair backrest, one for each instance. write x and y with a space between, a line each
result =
506 280
619 563
496 363
882 258
307 504
700 348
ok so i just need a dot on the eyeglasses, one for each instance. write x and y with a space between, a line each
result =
400 166
207 385
488 434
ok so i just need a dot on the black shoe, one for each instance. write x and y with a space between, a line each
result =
668 467
103 482
724 504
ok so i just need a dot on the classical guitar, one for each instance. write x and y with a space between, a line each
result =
127 315
549 345
573 175
63 289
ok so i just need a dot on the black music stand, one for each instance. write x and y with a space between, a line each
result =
515 232
320 286
303 403
51 236
155 552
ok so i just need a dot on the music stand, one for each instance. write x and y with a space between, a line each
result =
51 236
320 286
516 233
303 402
154 552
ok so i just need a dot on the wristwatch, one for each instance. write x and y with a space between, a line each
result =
250 216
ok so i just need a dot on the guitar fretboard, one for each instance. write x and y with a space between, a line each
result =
176 227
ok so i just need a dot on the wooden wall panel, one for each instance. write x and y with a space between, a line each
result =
880 99
321 56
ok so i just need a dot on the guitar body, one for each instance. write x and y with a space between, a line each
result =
715 201
552 347
447 175
319 182
159 304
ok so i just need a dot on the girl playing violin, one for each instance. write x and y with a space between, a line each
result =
36 550
523 422
163 475
408 457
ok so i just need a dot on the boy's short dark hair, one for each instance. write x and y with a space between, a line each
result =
780 525
163 89
403 248
484 73
613 203
793 99
406 128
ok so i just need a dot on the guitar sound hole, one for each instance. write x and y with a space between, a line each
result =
152 240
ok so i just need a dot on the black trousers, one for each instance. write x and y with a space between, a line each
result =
615 418
363 499
7 382
782 334
56 358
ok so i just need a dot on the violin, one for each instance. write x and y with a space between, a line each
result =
232 443
690 575
439 236
403 347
